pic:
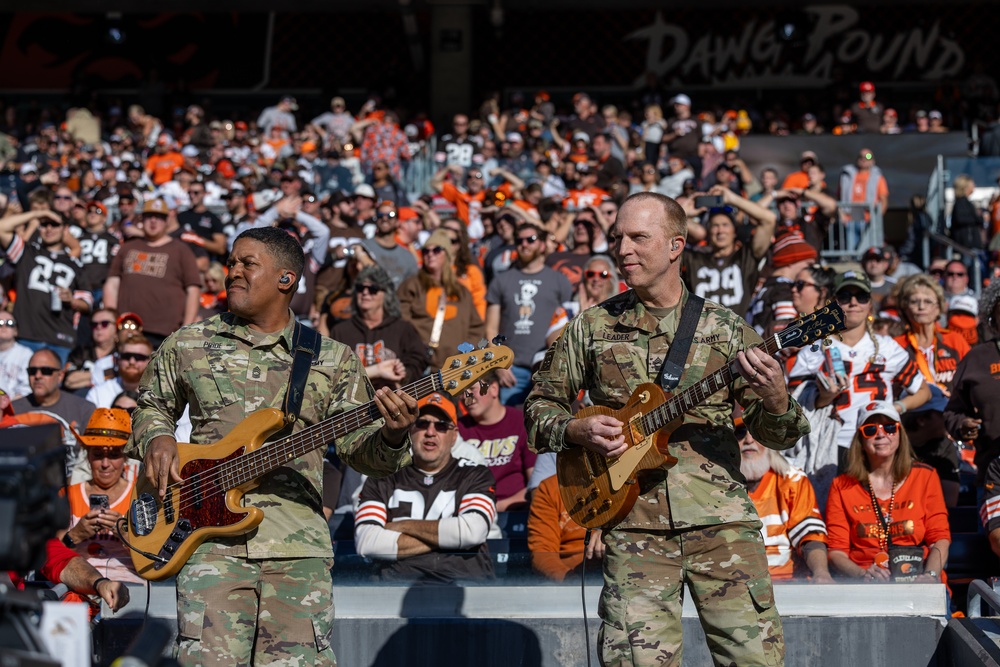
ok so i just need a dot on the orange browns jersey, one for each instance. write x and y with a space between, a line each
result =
787 507
581 199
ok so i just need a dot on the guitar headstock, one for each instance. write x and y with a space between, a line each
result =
461 370
808 328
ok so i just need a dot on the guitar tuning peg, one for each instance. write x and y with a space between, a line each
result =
483 343
466 347
499 340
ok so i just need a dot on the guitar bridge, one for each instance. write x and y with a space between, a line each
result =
142 514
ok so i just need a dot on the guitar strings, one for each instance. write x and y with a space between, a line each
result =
676 406
341 424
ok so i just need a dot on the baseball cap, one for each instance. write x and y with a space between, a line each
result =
99 206
963 303
921 114
681 99
240 125
291 102
365 190
891 112
852 279
581 136
155 207
935 114
308 146
938 401
29 168
877 408
9 410
808 116
808 155
443 404
514 138
338 100
867 87
189 151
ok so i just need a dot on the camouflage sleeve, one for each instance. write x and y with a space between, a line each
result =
365 449
556 384
162 398
773 431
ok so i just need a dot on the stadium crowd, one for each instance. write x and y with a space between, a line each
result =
116 227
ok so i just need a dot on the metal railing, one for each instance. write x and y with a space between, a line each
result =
857 227
980 592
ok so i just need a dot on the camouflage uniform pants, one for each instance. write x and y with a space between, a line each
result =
236 611
725 568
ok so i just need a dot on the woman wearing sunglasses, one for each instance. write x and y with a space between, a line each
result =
885 500
437 305
834 382
388 346
600 282
82 368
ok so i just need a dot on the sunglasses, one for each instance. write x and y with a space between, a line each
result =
871 430
101 324
953 274
128 326
476 174
49 224
936 272
527 239
367 289
44 370
603 275
390 214
8 323
133 356
113 453
740 432
439 426
800 285
62 197
435 250
844 298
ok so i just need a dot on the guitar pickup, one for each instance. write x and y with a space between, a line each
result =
168 506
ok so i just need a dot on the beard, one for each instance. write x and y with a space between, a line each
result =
754 466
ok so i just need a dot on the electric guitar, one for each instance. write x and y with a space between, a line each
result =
599 492
208 503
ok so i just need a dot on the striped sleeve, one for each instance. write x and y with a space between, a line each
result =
371 511
989 513
480 494
16 249
804 522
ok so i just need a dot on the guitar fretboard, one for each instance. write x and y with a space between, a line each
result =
273 455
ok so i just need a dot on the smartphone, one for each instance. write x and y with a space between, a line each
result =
834 362
99 500
708 201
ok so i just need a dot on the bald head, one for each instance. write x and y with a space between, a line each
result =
670 213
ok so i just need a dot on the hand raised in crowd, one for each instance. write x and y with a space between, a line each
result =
388 369
765 376
288 207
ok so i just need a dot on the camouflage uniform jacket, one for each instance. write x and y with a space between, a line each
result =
613 348
225 370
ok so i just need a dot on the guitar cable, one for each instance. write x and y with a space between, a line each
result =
121 536
583 594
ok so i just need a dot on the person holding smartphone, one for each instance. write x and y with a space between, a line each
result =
98 503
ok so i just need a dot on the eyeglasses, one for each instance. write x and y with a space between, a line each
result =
390 214
8 323
844 298
63 197
527 239
649 171
603 275
133 356
128 326
433 250
955 274
476 174
439 426
101 324
871 430
113 453
367 289
800 285
49 224
922 303
936 272
740 432
310 199
44 370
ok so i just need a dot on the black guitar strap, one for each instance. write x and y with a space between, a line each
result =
673 366
305 348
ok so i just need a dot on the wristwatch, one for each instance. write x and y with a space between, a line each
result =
68 541
932 573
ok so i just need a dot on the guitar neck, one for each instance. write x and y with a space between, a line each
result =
276 454
696 394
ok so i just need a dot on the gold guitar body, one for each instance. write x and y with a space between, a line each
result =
598 491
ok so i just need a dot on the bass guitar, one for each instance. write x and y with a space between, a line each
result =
208 503
599 492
